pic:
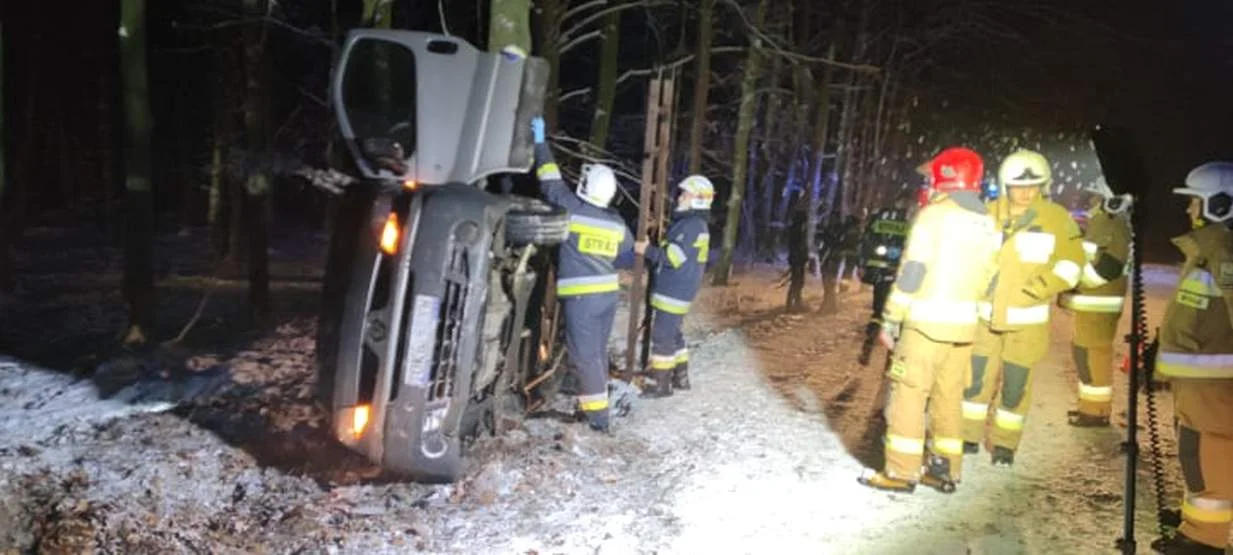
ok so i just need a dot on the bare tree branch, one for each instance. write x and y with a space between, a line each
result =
576 92
567 46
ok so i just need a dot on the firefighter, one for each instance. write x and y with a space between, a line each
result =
587 284
880 249
932 317
1041 256
678 262
1196 356
1098 301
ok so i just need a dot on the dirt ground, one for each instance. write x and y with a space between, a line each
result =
216 445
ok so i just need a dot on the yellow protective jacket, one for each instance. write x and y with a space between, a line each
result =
1196 337
946 268
1102 286
1041 256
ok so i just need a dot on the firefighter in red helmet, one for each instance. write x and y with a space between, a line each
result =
931 319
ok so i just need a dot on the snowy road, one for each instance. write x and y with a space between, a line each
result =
762 456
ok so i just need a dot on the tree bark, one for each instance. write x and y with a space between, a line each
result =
548 22
821 131
605 94
258 180
139 240
7 283
702 85
744 128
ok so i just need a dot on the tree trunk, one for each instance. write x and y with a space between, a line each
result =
605 94
139 241
510 25
257 180
744 127
106 139
549 14
821 131
772 122
702 85
7 283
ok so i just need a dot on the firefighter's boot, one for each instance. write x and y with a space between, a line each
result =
871 337
971 447
680 376
1003 456
937 475
886 483
598 420
1182 545
658 384
1080 420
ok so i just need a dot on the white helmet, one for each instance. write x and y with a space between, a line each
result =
1213 183
701 188
597 185
1110 203
1025 168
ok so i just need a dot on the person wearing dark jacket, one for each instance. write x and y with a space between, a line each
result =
678 263
587 283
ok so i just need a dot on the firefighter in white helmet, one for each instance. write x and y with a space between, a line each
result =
677 265
1196 356
1041 256
587 283
1097 302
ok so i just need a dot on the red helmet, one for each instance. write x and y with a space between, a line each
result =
956 169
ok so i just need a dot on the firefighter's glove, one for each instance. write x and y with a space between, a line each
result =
537 129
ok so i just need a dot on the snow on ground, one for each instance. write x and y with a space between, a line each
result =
762 456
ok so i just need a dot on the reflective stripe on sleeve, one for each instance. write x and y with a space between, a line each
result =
1068 272
548 171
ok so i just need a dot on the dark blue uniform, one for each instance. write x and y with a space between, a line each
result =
678 262
587 284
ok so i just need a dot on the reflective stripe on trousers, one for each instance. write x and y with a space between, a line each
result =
588 285
1093 303
669 304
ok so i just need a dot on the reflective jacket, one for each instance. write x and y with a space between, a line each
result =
947 265
1041 256
599 241
882 245
1102 286
679 261
1196 336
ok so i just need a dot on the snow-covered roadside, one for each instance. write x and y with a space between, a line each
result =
755 459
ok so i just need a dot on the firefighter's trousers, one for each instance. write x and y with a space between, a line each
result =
1002 364
667 342
881 292
1092 349
588 324
925 373
1204 410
